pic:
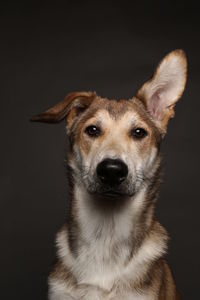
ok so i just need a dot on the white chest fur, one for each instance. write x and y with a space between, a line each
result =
102 257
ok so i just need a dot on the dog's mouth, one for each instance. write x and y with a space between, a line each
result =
112 194
126 189
110 201
115 192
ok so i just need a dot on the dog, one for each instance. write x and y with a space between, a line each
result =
112 247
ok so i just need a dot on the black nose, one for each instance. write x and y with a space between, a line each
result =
112 171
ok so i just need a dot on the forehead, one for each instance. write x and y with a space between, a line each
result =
130 111
115 114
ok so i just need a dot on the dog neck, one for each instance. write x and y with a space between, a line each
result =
119 225
98 247
131 220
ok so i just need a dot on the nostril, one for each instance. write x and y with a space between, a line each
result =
112 171
122 178
102 178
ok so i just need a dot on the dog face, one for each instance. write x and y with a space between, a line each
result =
115 144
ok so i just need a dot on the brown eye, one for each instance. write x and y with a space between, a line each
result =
93 131
138 133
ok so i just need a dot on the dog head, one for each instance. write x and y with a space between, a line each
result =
115 143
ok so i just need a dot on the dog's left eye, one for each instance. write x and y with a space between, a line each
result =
138 133
93 131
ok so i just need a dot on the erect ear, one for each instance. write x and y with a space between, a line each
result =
161 93
72 105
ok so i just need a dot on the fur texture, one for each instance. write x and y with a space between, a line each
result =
111 246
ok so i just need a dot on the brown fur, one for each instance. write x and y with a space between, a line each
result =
141 243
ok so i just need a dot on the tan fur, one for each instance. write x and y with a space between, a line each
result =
116 252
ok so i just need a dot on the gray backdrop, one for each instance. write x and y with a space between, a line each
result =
48 50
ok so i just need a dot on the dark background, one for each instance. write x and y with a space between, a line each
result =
48 49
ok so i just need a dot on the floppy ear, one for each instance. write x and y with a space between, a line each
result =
161 93
72 105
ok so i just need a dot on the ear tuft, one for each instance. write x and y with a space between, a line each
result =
161 93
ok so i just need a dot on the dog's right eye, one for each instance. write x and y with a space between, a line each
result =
93 131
